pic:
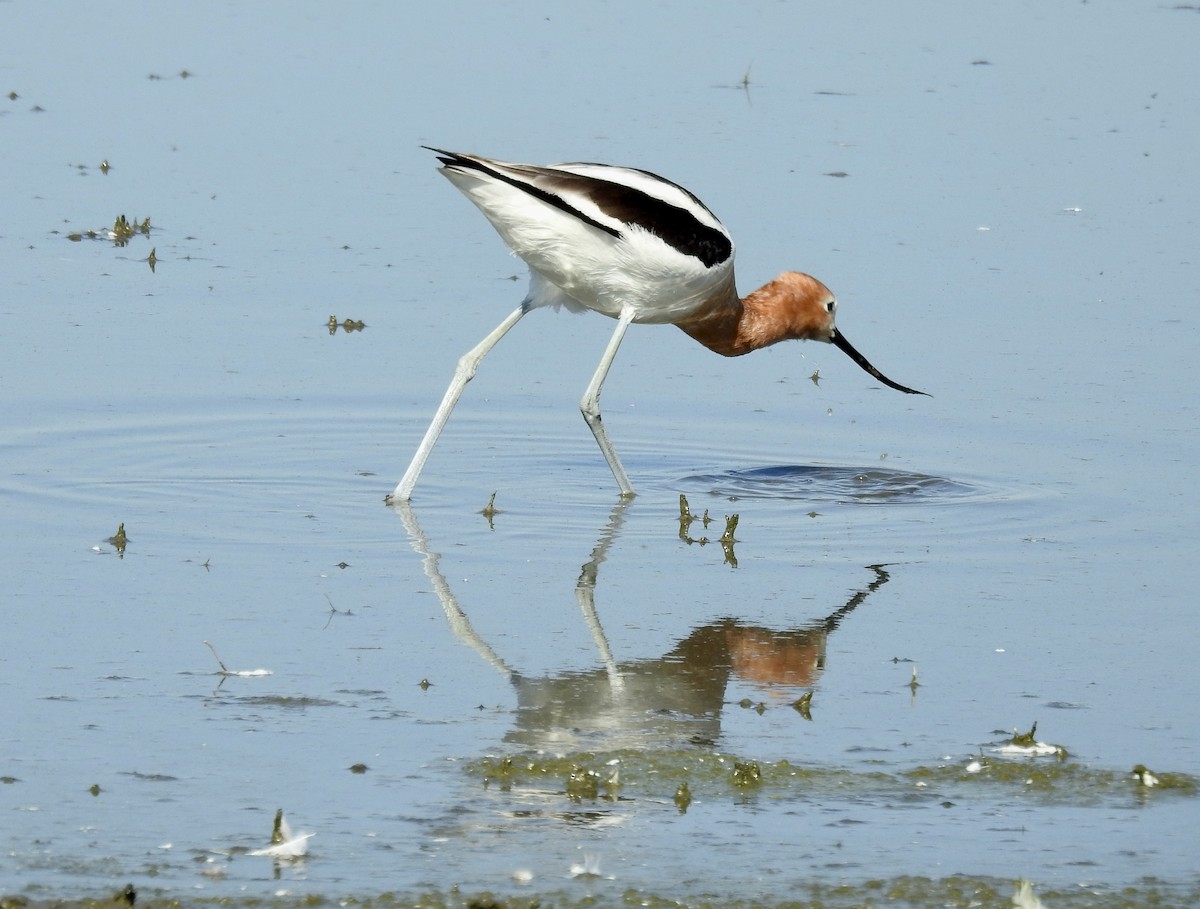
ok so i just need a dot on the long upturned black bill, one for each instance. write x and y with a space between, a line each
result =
839 340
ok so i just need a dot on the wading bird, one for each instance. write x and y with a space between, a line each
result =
637 248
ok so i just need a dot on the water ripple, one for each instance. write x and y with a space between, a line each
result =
837 484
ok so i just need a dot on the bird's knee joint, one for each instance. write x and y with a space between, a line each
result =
465 370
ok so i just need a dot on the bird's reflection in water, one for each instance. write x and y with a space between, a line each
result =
668 701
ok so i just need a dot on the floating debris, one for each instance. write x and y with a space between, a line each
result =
182 74
119 539
490 510
803 705
346 325
1024 897
284 843
122 231
583 783
240 673
612 785
588 868
683 798
727 540
746 774
731 523
1025 743
1145 777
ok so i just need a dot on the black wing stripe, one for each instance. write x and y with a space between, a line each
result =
675 226
450 159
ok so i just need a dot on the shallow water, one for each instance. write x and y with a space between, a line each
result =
1015 235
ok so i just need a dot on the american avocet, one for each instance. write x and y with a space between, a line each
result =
637 248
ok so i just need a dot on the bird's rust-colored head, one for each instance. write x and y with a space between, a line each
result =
793 307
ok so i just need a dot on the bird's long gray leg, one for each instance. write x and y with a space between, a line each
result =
463 373
590 405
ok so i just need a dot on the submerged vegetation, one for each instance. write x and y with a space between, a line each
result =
662 775
903 892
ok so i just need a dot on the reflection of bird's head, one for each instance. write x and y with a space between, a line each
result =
767 657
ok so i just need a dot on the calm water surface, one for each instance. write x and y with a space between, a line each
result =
1013 231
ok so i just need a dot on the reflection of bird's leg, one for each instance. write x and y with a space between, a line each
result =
585 592
459 623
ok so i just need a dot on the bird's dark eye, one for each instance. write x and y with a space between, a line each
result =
831 305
